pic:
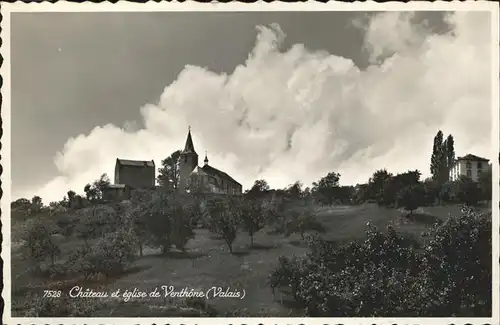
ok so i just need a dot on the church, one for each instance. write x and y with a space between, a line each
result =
205 179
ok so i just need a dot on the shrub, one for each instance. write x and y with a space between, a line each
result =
111 255
456 276
386 274
63 307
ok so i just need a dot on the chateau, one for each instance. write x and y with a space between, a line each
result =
469 165
139 174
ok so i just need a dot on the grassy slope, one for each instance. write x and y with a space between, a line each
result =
209 263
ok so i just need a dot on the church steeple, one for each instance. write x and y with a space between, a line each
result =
206 159
189 147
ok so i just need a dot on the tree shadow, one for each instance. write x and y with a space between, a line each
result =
240 253
256 246
181 255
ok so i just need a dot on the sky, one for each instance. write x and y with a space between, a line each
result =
283 96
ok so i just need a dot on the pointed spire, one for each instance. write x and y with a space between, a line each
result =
206 158
189 147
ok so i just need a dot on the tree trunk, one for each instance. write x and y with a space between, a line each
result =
251 239
140 250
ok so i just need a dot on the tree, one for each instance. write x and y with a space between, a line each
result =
324 189
94 191
36 204
411 197
224 219
294 191
158 221
41 244
376 185
443 157
437 156
168 174
71 199
252 216
260 187
467 191
485 184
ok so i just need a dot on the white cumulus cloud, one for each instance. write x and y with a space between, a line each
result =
299 114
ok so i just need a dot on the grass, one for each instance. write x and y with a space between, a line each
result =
207 263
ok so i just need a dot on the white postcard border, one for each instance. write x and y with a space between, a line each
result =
62 6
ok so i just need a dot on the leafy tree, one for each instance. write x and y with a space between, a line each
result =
21 204
432 189
224 219
467 191
252 216
294 191
411 197
183 220
377 184
158 221
485 184
71 199
41 244
168 174
36 204
260 187
324 190
437 156
443 157
94 191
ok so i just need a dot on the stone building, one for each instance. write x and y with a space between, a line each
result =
469 165
135 173
206 179
116 192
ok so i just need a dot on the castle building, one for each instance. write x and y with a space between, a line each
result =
205 179
470 166
130 175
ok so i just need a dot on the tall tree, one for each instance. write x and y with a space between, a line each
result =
168 174
436 158
450 151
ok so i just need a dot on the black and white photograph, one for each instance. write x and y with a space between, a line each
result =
218 163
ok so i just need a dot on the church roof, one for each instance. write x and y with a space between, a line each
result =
136 163
189 147
215 172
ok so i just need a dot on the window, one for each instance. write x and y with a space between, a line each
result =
469 173
468 165
479 165
479 171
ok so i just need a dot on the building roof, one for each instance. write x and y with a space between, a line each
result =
189 147
472 158
215 172
136 163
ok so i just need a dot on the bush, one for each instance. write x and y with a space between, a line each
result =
386 274
110 256
456 276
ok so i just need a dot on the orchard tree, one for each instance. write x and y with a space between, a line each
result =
224 219
252 216
168 174
411 197
376 185
467 191
324 190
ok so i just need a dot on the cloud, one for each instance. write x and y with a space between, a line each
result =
299 114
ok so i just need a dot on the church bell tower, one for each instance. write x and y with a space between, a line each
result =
188 161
